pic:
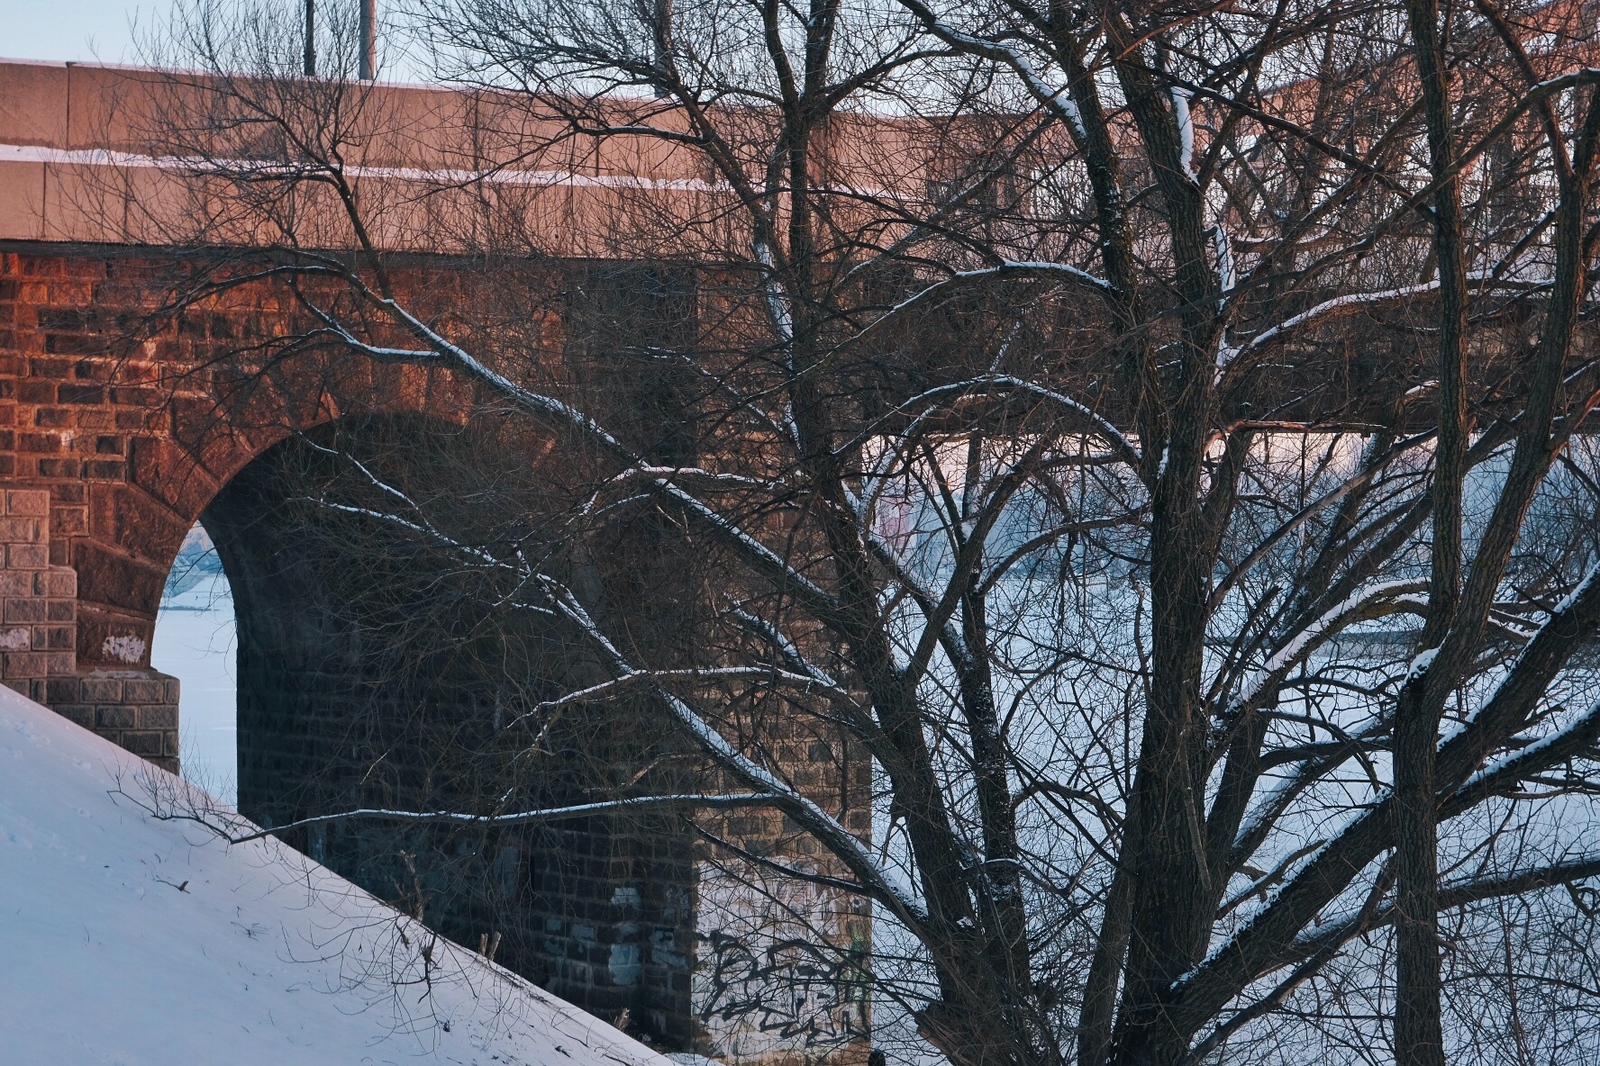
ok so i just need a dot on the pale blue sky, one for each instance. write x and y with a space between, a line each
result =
104 31
85 30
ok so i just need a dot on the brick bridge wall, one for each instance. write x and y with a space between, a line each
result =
115 439
357 689
136 708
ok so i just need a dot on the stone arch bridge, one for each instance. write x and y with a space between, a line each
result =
116 437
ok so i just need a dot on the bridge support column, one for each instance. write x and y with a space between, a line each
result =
136 708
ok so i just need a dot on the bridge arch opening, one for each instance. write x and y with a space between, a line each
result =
194 641
377 665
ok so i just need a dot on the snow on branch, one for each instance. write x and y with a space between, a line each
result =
1503 712
805 682
845 845
1359 605
1509 772
224 829
1453 894
1348 303
1269 937
981 385
565 415
1007 270
797 663
1180 112
1057 101
1371 466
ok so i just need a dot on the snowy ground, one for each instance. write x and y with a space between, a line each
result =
126 940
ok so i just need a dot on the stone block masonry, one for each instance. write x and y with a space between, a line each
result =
120 428
38 602
136 708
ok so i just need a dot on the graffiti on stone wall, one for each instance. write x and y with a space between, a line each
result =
781 968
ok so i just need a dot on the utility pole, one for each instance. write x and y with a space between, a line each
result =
311 38
369 39
661 48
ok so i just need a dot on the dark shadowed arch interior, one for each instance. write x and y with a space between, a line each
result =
379 667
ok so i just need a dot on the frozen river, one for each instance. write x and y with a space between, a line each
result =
194 642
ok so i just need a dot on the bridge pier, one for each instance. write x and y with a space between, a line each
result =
134 707
111 447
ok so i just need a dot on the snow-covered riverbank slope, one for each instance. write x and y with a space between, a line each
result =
131 941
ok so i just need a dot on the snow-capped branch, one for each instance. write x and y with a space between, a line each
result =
712 478
1506 774
981 385
795 661
704 801
1452 894
1058 101
1370 469
1267 939
566 416
1351 302
1185 121
828 831
1507 707
1265 815
1359 605
1222 246
1007 270
626 683
428 531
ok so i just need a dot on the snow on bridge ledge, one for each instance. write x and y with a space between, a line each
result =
142 942
77 166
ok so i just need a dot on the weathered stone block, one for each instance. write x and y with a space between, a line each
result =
62 582
114 717
27 557
21 530
26 664
60 691
60 468
144 690
117 579
32 502
40 443
144 743
69 522
24 609
76 713
160 716
101 689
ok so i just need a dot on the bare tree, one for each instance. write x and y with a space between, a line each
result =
1152 436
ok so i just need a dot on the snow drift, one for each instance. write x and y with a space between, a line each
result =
129 940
